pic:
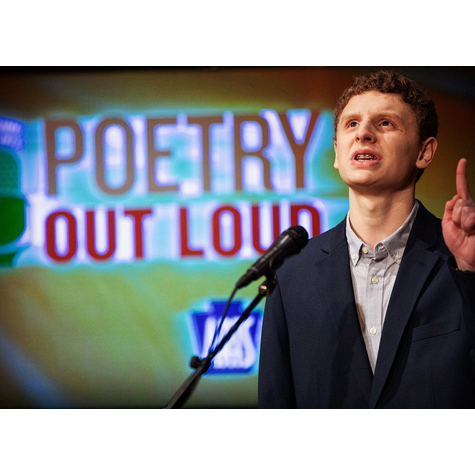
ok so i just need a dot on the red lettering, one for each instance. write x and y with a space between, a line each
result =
295 211
138 215
72 246
237 235
256 228
185 249
91 236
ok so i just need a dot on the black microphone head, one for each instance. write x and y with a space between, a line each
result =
291 241
299 236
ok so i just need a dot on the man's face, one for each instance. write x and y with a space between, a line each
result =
377 145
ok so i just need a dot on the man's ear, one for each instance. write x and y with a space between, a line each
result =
335 163
427 152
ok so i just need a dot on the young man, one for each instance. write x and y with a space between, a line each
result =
378 312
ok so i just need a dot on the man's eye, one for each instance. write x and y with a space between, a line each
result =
352 123
385 123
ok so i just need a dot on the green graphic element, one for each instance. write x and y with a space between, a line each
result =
12 212
6 260
12 207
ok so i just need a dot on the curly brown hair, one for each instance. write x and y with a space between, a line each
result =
395 83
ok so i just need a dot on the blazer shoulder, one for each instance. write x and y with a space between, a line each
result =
316 248
330 239
428 229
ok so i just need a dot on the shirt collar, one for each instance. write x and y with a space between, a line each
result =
393 245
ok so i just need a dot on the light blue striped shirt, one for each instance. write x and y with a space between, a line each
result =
373 273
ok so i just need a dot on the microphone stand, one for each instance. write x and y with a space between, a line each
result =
202 365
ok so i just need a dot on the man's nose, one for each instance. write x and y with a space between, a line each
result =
366 132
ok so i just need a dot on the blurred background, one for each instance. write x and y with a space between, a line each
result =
133 199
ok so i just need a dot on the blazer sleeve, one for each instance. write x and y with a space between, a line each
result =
466 286
275 384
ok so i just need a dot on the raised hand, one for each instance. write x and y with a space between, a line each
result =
458 222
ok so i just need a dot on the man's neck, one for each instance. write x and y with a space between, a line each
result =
374 218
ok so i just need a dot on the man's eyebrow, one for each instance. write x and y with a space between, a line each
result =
354 114
390 114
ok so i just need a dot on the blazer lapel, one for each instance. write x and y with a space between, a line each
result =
333 270
416 265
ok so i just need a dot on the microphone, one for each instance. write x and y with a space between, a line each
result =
290 242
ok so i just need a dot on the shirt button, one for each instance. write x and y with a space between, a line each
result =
354 256
364 250
375 280
372 330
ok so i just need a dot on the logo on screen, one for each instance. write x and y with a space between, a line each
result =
239 355
12 202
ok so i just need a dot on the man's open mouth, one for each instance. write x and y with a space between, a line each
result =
365 156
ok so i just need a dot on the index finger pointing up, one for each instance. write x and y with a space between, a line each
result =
461 180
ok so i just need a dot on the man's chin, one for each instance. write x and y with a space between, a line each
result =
368 187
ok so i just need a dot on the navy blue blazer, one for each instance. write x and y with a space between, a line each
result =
312 350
